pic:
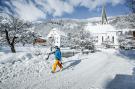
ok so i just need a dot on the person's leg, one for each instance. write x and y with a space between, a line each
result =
55 65
60 65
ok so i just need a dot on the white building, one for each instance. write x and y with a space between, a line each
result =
104 33
59 37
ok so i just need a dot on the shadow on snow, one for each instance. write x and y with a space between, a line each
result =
72 63
122 81
127 54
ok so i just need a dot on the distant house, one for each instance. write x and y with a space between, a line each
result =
40 41
129 32
107 33
59 37
104 33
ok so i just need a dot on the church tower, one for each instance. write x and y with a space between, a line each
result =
104 16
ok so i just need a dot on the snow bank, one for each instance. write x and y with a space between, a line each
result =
12 58
22 54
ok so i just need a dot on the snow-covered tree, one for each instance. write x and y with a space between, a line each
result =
124 22
13 30
50 42
83 40
29 35
131 5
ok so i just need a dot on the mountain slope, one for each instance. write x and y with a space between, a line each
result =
75 25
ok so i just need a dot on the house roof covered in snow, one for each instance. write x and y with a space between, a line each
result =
57 31
100 28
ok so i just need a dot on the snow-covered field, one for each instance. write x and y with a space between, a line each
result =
104 69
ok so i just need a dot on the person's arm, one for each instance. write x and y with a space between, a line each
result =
49 55
51 52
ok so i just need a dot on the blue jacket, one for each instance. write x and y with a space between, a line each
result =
58 55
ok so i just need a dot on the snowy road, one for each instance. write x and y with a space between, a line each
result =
93 71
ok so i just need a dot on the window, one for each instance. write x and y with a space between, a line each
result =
134 33
102 38
113 39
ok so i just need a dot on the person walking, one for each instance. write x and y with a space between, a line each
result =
58 59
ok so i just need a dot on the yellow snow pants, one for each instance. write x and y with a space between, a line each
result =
57 62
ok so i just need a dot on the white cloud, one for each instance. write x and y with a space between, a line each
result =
56 7
28 11
59 7
92 4
31 12
115 2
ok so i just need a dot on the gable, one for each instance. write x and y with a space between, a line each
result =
56 32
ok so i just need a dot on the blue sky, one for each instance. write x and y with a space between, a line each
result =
33 10
84 13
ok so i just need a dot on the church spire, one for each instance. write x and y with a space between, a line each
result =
104 16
